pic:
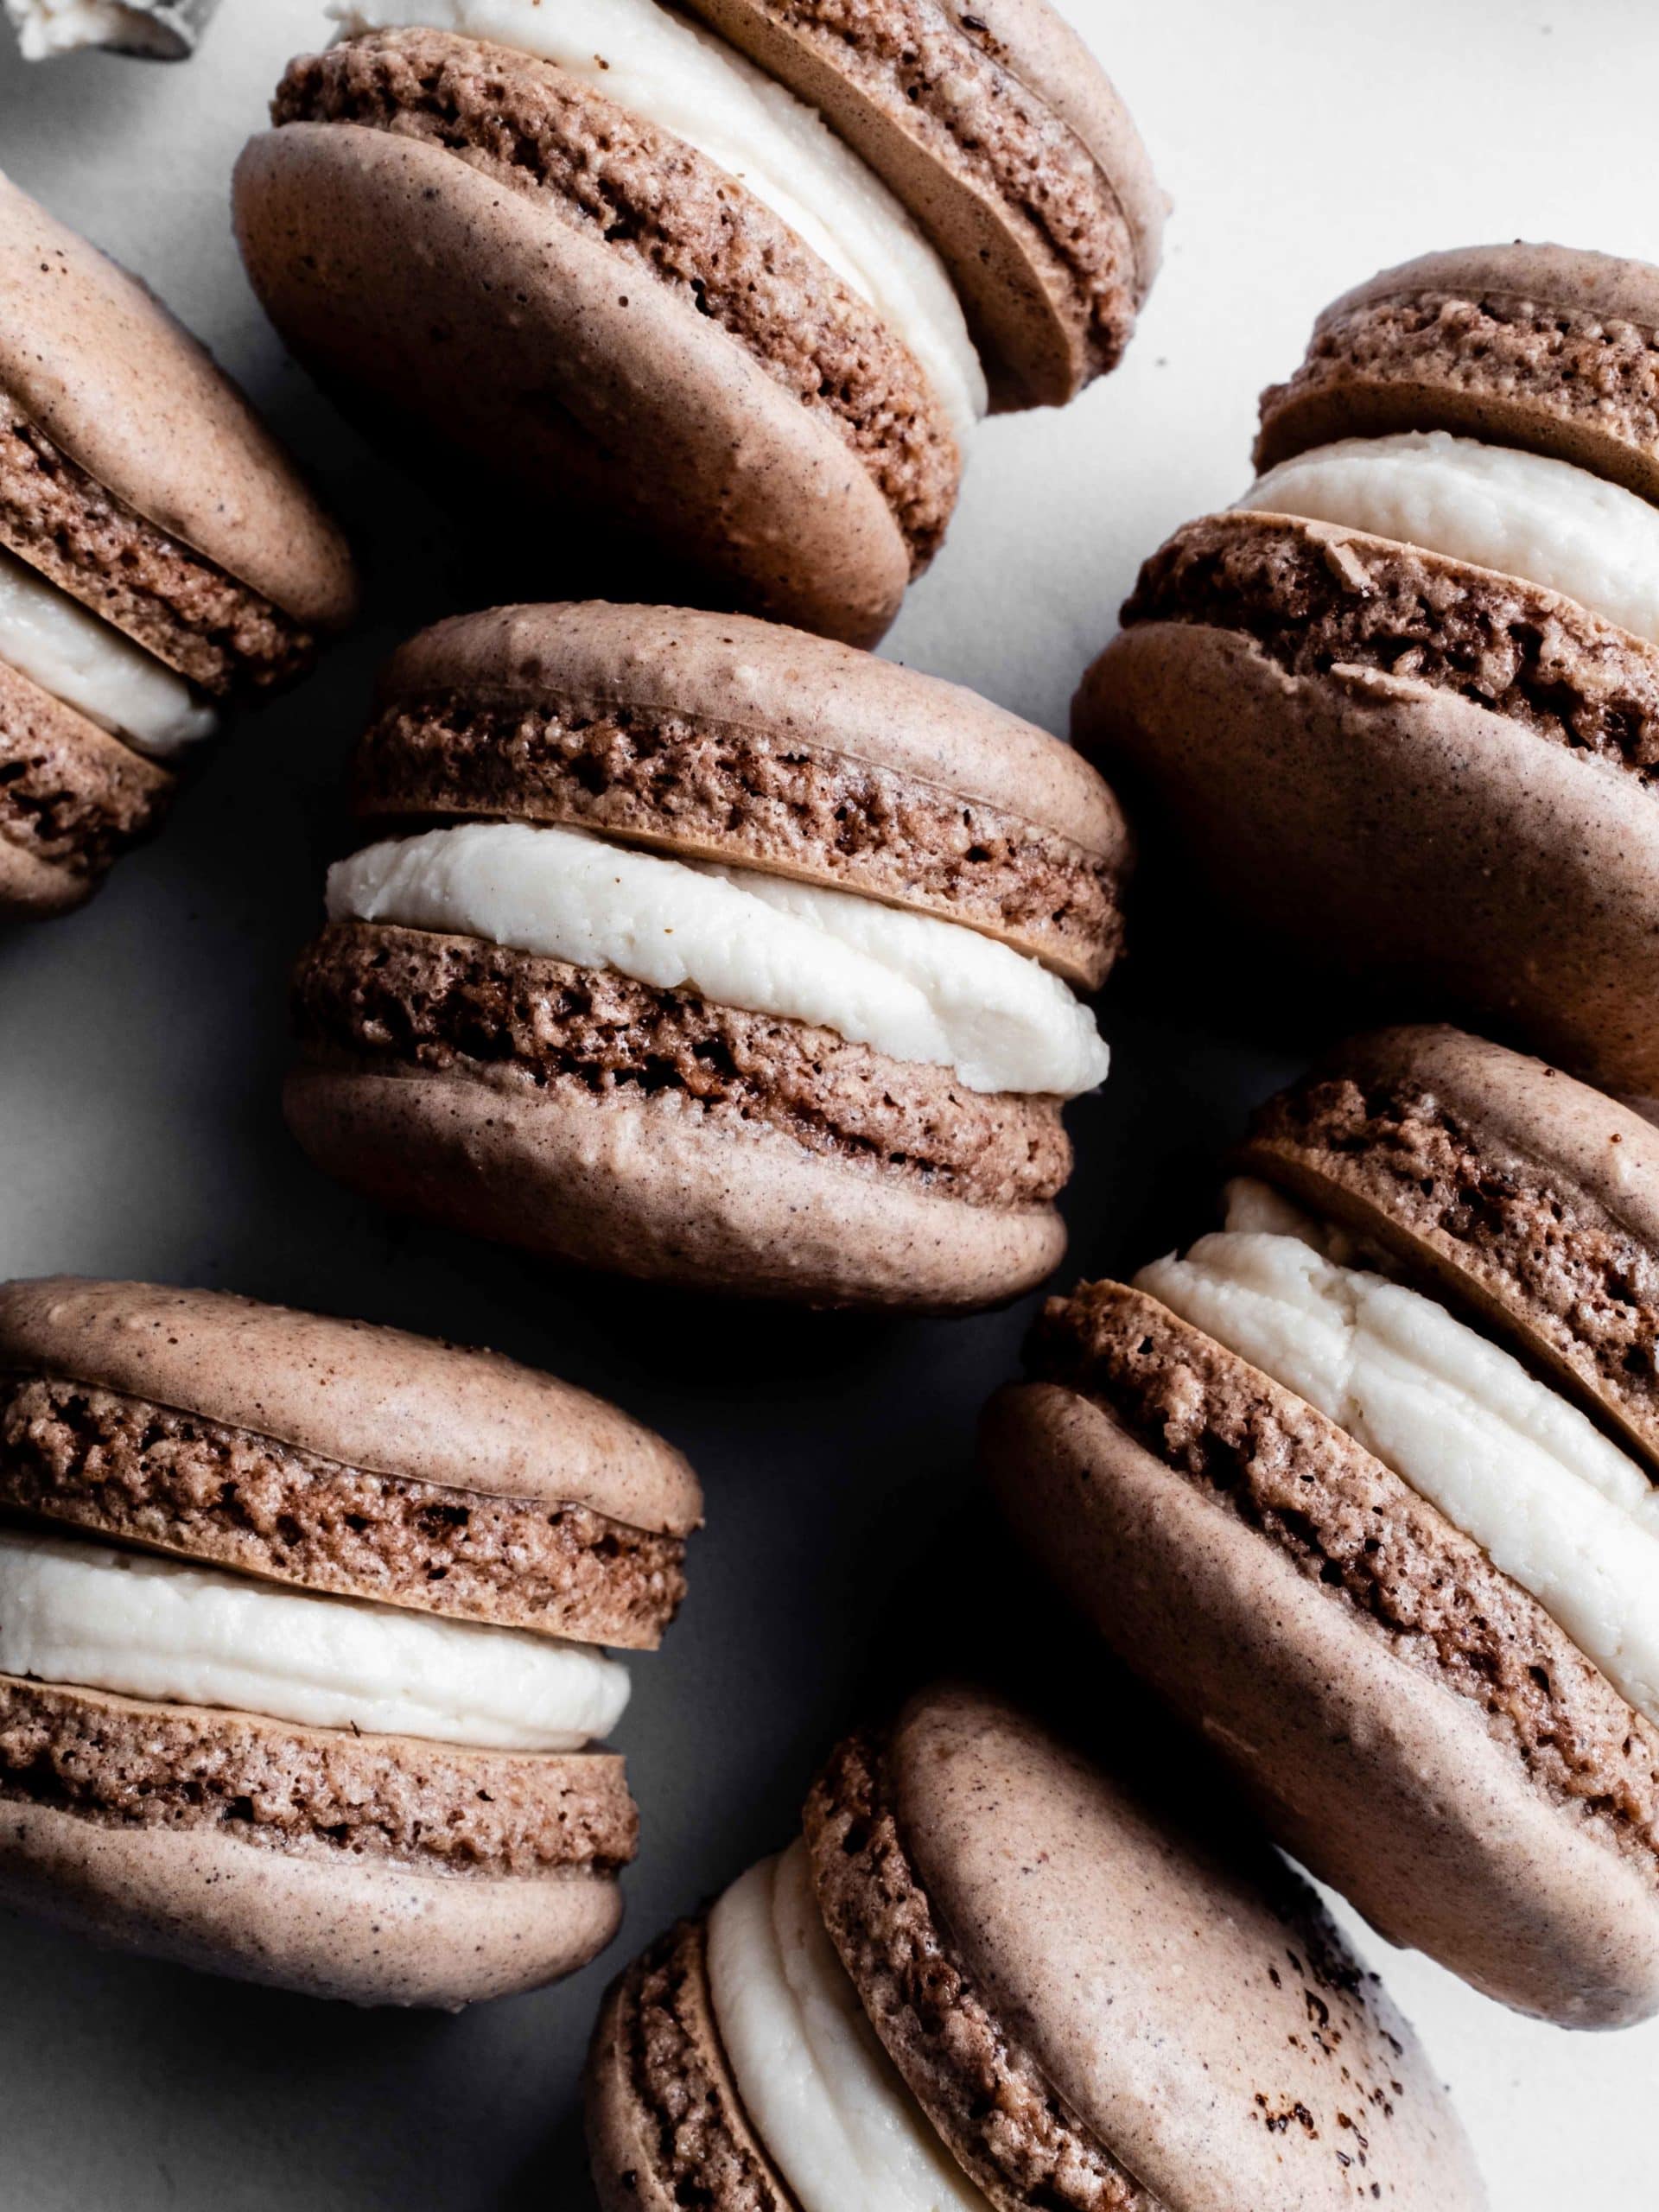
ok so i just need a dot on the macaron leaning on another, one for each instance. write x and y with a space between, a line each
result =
298 1631
719 954
159 555
1367 1483
738 281
991 1975
1400 704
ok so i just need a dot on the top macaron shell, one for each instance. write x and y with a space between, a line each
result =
1088 1934
1543 347
98 366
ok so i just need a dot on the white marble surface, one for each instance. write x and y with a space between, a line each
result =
141 1044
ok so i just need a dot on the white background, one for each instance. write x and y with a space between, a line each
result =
141 1042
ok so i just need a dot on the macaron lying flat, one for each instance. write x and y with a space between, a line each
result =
297 1631
948 1996
598 248
1367 1485
1402 703
719 954
158 553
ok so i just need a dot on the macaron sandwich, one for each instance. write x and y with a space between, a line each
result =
738 279
1401 702
298 1622
989 1975
709 951
1367 1482
158 554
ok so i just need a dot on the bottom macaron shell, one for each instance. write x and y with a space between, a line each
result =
384 1870
1385 825
666 2126
636 1186
1401 1794
568 368
72 799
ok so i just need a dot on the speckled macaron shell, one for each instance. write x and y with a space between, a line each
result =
729 739
101 368
1499 1182
363 1461
563 366
73 798
637 1187
1371 1771
999 131
369 1931
1379 822
1545 347
1091 1932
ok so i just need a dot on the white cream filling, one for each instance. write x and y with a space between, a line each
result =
94 1618
909 985
829 2105
48 26
673 74
1554 1505
87 662
1523 514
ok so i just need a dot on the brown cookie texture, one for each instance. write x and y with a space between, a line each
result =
1316 597
191 615
73 798
143 1473
1375 823
670 216
1543 347
1085 1928
124 1762
113 396
1518 1192
1010 147
372 1400
666 2126
726 738
459 1006
1355 1528
1013 2136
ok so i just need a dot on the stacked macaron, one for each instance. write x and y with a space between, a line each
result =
716 953
990 1975
1402 702
157 554
1368 1484
741 284
297 1631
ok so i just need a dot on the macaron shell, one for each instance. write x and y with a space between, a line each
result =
636 1187
1164 1992
565 370
374 1398
369 1932
1589 1164
33 889
1377 1779
1378 823
1061 843
1543 347
95 360
1021 298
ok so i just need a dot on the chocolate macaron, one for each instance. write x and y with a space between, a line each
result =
712 952
298 1631
739 285
1367 1483
158 554
992 1975
1401 702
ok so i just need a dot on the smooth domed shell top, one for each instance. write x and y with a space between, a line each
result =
374 1398
826 697
1226 2051
97 362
